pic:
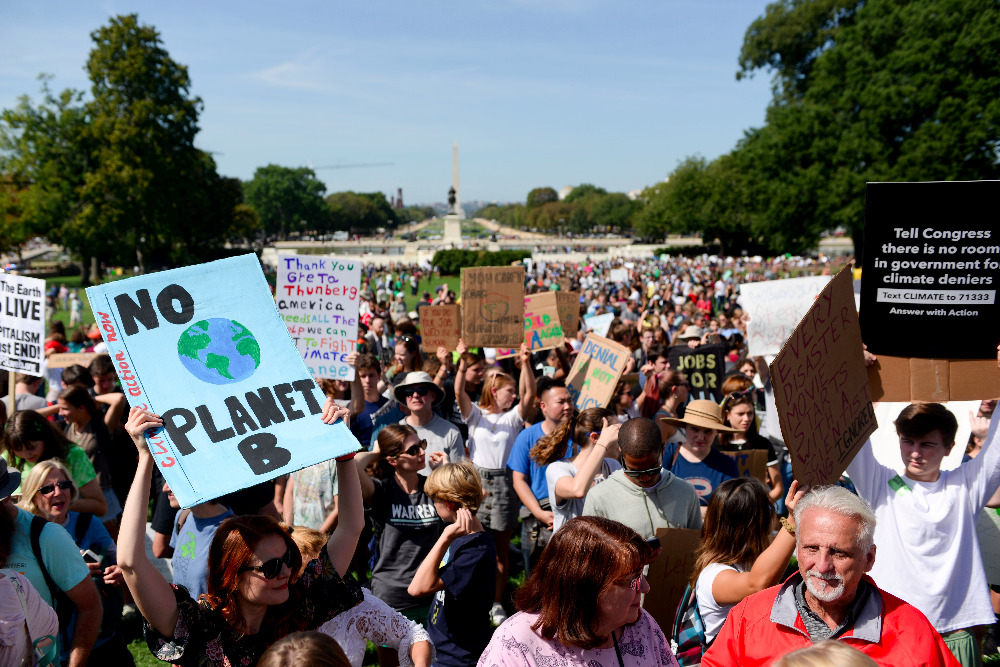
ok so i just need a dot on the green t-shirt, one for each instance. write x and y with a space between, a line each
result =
80 467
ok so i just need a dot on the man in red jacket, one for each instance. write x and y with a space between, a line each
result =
829 598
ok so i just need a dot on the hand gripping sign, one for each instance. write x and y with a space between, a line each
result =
205 348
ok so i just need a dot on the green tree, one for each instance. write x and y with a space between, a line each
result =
287 199
541 196
583 190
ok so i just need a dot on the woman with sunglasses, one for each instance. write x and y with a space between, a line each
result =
738 411
595 438
252 600
48 493
30 438
405 523
573 613
494 424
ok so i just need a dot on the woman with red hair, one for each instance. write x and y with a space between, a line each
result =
252 600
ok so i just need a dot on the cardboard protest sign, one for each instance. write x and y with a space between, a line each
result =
542 328
704 367
668 575
206 348
988 532
67 359
931 267
591 382
599 324
569 312
751 463
565 284
318 297
902 379
775 307
493 306
440 326
821 387
22 324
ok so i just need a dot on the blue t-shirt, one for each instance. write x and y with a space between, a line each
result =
521 461
96 538
387 414
191 545
703 476
362 424
459 618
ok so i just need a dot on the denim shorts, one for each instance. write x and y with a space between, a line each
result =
499 509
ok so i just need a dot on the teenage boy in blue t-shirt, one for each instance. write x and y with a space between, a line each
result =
460 568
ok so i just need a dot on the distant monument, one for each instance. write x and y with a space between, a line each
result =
453 221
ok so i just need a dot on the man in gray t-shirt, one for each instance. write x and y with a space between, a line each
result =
419 394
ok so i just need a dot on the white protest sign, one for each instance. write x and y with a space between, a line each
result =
775 308
22 324
619 275
599 324
318 298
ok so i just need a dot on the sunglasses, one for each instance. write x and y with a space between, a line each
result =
737 395
648 472
419 391
65 485
413 450
271 568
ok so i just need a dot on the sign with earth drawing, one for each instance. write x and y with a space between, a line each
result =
205 348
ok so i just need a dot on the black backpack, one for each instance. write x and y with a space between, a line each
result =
111 597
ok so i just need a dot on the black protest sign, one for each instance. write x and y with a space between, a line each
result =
931 269
704 367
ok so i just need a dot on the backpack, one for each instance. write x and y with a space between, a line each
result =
689 630
111 598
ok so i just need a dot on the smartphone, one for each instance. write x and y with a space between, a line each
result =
654 543
91 557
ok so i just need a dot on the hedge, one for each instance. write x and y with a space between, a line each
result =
451 262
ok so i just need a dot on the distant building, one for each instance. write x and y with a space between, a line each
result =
565 192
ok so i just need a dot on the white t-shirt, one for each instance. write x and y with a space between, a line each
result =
571 507
928 552
491 436
713 614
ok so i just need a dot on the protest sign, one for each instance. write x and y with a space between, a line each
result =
669 573
22 324
821 387
318 297
751 463
988 532
542 328
67 359
565 284
599 324
591 382
931 268
618 275
903 379
775 307
569 312
493 306
704 367
206 348
440 326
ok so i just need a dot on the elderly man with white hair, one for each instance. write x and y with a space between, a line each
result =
830 597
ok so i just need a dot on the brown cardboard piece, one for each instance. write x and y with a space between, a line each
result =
542 327
569 312
751 463
902 379
67 359
821 386
493 306
601 362
668 575
440 326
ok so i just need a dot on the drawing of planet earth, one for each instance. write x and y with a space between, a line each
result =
219 351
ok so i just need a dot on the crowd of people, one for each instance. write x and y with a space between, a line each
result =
472 470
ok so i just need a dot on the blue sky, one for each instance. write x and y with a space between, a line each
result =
535 92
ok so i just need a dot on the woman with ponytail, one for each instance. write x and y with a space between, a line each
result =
405 523
595 437
493 426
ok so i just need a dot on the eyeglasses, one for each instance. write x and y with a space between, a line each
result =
413 450
272 568
648 472
418 391
737 395
635 582
65 485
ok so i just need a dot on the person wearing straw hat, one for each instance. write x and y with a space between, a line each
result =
694 460
444 442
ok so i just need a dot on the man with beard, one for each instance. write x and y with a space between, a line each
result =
62 560
830 597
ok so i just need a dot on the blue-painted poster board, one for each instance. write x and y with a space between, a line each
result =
205 348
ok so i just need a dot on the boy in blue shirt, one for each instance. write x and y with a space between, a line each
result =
460 569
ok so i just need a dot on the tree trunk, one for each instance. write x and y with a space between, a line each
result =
95 277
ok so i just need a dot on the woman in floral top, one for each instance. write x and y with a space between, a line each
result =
251 600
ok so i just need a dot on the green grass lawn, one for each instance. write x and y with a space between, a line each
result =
426 285
72 282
